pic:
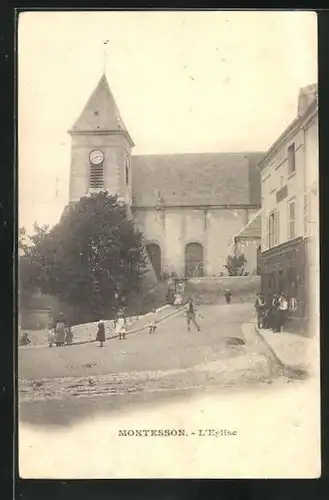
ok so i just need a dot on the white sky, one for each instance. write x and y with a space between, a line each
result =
183 81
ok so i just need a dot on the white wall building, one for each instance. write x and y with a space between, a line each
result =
290 223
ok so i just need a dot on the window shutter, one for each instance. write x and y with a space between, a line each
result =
96 180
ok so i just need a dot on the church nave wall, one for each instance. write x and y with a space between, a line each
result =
173 228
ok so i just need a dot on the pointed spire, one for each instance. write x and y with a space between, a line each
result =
101 113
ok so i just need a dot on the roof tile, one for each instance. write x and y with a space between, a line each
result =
196 179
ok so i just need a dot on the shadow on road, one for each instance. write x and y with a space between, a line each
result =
64 413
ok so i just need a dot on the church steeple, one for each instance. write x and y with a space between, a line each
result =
101 114
101 148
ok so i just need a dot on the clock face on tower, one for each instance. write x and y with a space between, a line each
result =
96 157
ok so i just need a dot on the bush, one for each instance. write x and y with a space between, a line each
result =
235 264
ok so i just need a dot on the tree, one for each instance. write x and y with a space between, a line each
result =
29 266
93 253
235 264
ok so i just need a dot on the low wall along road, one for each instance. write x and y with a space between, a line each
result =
210 290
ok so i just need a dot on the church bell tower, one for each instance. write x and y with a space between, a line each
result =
101 149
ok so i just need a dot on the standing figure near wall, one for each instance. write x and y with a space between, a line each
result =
275 315
260 309
60 330
228 295
282 312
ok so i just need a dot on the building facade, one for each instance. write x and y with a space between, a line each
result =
188 206
289 226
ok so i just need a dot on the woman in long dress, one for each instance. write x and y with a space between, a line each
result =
100 333
178 299
60 330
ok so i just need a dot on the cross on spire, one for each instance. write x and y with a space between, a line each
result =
105 46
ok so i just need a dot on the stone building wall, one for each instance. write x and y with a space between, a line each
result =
173 228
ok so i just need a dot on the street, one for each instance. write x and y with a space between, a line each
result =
143 367
75 402
171 347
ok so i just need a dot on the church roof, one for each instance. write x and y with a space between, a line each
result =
101 113
252 230
196 179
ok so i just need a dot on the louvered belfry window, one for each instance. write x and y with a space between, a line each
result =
96 176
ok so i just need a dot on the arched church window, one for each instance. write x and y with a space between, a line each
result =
194 260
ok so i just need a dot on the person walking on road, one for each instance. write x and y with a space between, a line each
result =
190 313
260 306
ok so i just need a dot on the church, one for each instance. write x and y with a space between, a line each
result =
189 207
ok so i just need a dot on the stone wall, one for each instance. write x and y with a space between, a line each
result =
211 290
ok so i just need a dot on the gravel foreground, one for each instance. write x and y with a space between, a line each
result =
224 373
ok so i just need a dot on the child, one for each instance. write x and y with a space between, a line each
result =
153 322
69 336
100 332
120 328
178 299
24 340
50 337
123 329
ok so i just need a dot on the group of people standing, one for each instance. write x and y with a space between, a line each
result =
120 328
60 332
271 312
